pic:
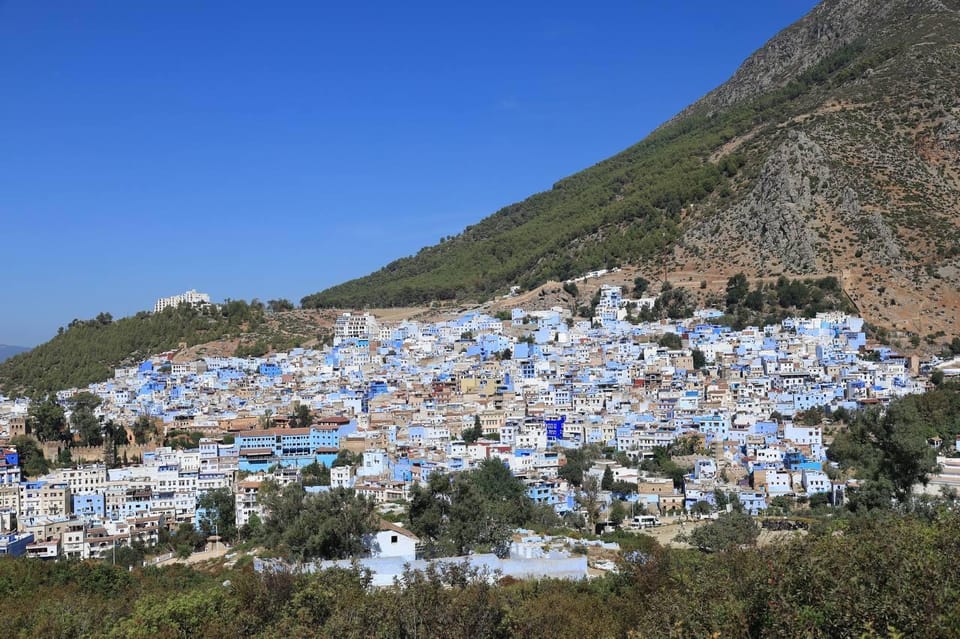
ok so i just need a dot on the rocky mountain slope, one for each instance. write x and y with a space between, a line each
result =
833 150
865 181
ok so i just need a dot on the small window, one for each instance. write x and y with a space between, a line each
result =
394 539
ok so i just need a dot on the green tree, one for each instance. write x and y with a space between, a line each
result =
143 430
699 359
429 508
721 499
47 422
504 496
954 346
871 494
640 285
87 427
182 613
623 487
811 417
474 510
469 526
315 474
64 457
115 433
252 530
126 556
328 525
737 289
473 433
662 464
302 417
186 540
606 483
83 421
279 305
701 508
754 299
346 458
781 505
730 530
218 513
671 341
617 512
32 461
588 499
889 446
84 400
577 461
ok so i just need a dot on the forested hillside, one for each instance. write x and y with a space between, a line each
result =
87 351
832 151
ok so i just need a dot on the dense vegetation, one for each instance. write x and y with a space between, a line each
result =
87 351
622 210
889 449
305 526
471 511
871 576
770 302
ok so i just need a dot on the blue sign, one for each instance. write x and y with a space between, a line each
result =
555 427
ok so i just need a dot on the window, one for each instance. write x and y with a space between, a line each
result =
394 539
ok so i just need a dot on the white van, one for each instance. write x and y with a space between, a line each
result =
644 521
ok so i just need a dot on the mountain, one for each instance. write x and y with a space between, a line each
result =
88 351
7 351
834 150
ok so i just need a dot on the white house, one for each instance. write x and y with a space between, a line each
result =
816 481
374 463
393 541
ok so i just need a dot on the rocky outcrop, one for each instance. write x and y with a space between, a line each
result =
787 192
948 135
873 233
830 26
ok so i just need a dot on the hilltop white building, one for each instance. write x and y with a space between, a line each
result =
349 326
190 297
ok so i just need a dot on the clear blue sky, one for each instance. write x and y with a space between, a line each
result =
272 149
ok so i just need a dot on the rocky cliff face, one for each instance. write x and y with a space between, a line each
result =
773 217
828 27
865 183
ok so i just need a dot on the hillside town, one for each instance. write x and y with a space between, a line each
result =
390 403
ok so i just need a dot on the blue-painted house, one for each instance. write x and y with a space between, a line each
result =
88 505
753 503
14 544
291 447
